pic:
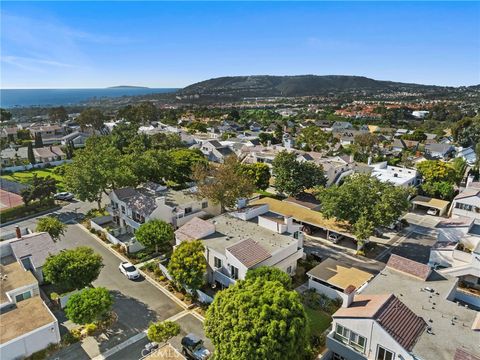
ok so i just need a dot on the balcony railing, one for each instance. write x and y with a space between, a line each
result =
222 278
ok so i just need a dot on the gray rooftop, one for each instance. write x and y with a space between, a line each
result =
38 246
435 309
231 230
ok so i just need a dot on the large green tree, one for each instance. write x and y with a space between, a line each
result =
314 138
5 115
269 273
183 162
58 114
163 331
188 264
74 268
437 170
91 117
293 177
439 189
51 225
259 320
156 234
224 184
365 200
89 305
97 168
467 131
259 172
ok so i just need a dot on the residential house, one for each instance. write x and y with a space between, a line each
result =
31 251
26 323
255 126
245 239
335 168
468 154
405 313
399 145
215 151
335 278
439 151
261 154
49 154
14 156
131 207
401 132
340 126
51 134
288 141
394 174
77 139
467 203
9 133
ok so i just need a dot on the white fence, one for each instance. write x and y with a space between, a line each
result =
165 272
204 298
35 166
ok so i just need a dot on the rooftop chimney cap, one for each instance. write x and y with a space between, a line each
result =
18 232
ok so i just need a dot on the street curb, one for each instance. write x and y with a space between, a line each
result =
123 258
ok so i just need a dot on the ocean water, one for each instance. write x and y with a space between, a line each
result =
55 97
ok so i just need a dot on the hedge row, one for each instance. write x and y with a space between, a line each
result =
22 210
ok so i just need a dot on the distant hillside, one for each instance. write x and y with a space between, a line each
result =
301 85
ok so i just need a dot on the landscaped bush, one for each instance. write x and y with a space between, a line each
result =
22 210
72 337
93 213
90 329
322 302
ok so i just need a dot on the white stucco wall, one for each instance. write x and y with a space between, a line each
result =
29 343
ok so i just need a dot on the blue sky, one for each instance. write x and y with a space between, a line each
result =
158 44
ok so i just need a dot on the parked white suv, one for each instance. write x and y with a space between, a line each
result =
129 270
335 238
432 211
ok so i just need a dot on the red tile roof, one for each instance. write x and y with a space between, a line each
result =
249 252
401 322
461 354
408 266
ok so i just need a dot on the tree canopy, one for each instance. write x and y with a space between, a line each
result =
51 225
259 320
91 117
293 177
96 168
163 331
41 188
437 170
188 264
73 269
259 172
156 234
314 138
269 273
89 305
365 200
224 184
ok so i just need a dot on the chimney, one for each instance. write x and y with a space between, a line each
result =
369 160
469 180
350 160
349 295
288 220
18 232
269 143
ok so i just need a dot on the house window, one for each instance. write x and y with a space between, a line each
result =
24 296
188 210
384 354
217 262
289 270
123 209
343 333
234 272
357 341
204 204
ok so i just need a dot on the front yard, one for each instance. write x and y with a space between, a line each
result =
25 177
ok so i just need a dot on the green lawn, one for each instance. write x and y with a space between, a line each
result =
318 320
25 177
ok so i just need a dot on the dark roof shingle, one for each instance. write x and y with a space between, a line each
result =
408 266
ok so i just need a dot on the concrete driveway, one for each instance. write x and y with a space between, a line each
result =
137 303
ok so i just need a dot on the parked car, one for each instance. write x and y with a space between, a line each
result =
147 349
335 238
432 212
129 270
192 347
66 196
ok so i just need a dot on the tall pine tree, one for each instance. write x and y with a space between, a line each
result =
30 154
38 140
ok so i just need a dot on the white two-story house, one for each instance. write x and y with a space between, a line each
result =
130 207
405 313
467 203
245 239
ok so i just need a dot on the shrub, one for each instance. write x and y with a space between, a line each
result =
93 231
158 272
72 337
54 296
161 278
24 210
90 328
